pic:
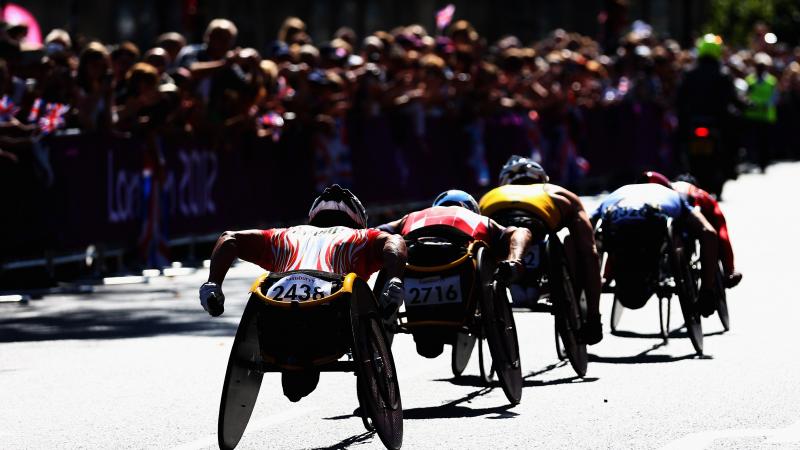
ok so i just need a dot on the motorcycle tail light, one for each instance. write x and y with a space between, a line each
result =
701 132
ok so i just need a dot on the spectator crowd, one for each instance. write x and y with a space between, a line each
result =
406 110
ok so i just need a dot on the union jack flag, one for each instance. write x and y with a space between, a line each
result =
7 109
53 117
35 109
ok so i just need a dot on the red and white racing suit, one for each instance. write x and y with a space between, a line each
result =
336 250
472 224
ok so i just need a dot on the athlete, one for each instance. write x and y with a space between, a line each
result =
459 210
527 199
335 240
631 208
686 185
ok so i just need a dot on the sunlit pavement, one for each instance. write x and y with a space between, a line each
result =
141 366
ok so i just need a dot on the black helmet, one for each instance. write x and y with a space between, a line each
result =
522 170
687 178
337 206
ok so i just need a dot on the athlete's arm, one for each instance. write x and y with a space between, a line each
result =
392 227
582 231
393 254
516 239
248 245
708 244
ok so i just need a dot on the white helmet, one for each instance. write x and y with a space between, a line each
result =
337 206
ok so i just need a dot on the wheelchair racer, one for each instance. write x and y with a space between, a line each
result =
459 210
335 240
686 185
632 206
455 209
550 208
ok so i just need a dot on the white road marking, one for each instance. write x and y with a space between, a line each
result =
269 421
702 439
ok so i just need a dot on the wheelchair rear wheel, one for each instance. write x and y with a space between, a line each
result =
377 385
569 309
722 300
687 294
242 381
501 331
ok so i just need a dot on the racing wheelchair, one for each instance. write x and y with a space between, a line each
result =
309 320
451 298
549 286
650 255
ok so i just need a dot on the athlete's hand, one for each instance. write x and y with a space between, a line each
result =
212 299
509 271
392 297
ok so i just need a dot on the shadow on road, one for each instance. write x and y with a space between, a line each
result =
454 409
110 324
645 357
352 440
678 333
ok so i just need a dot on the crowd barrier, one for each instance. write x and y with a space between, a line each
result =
126 193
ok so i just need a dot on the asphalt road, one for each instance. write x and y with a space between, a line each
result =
141 366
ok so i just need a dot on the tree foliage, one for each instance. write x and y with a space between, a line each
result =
734 19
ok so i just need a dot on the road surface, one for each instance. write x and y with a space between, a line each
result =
141 366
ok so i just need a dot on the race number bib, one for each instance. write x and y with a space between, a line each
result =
432 291
531 260
299 287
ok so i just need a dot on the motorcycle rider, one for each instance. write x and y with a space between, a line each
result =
707 96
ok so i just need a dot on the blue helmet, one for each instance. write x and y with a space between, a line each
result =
454 197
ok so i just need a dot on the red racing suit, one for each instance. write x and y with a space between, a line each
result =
338 250
470 223
709 207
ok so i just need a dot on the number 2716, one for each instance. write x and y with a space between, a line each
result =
432 294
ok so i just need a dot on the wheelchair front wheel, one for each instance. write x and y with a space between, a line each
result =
664 312
616 314
462 351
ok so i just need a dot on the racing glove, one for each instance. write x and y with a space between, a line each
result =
509 271
212 299
392 297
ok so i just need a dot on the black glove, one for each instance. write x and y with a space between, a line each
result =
212 299
509 271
